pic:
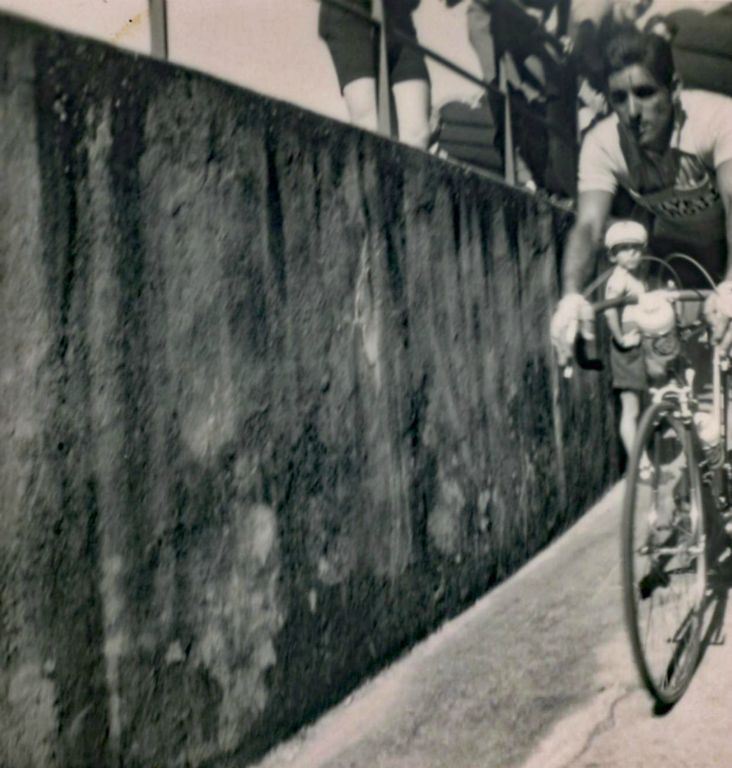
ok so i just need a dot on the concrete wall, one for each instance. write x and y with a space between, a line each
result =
276 400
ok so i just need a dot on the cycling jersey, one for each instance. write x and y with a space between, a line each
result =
678 187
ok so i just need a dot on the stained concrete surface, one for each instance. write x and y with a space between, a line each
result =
538 674
277 398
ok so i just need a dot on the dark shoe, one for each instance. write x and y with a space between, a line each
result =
655 578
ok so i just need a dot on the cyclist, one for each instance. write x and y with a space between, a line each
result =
671 149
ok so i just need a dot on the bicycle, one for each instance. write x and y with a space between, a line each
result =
677 490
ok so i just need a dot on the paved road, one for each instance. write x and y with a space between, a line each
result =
537 674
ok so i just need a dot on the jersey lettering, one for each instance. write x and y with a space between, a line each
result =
692 193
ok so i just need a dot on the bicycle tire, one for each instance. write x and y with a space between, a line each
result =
664 554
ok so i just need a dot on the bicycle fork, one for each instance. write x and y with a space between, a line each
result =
716 466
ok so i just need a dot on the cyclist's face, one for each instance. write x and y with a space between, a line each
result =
629 257
643 106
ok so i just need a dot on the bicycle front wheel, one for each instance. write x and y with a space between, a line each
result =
663 554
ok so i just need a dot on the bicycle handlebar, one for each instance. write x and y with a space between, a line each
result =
664 296
670 294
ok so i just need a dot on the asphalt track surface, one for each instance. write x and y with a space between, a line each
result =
537 674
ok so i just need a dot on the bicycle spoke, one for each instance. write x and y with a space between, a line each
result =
663 557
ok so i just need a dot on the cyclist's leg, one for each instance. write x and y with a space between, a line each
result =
629 411
629 379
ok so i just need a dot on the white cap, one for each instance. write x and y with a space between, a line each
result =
626 233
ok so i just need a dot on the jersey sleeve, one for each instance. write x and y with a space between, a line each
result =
597 172
719 128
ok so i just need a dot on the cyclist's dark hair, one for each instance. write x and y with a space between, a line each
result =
630 46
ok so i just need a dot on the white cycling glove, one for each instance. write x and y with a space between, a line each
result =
573 313
723 295
718 311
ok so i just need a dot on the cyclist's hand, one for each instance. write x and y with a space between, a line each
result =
718 312
631 338
573 313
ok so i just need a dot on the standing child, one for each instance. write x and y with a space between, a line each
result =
626 243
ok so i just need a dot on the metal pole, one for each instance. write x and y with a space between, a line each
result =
158 29
509 158
386 121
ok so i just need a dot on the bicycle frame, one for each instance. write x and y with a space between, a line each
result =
678 490
716 464
717 471
664 544
716 461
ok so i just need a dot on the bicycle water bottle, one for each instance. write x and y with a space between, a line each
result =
654 314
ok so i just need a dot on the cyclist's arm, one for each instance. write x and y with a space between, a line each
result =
593 209
724 184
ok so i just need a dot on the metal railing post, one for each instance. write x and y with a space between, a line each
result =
509 157
158 29
386 121
386 117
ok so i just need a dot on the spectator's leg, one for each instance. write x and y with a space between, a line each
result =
491 33
352 46
533 78
480 35
360 96
410 85
412 99
513 28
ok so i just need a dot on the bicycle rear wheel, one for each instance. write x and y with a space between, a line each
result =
663 554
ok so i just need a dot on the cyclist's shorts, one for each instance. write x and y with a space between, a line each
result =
628 367
636 368
354 46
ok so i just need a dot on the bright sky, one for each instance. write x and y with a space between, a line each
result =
271 46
